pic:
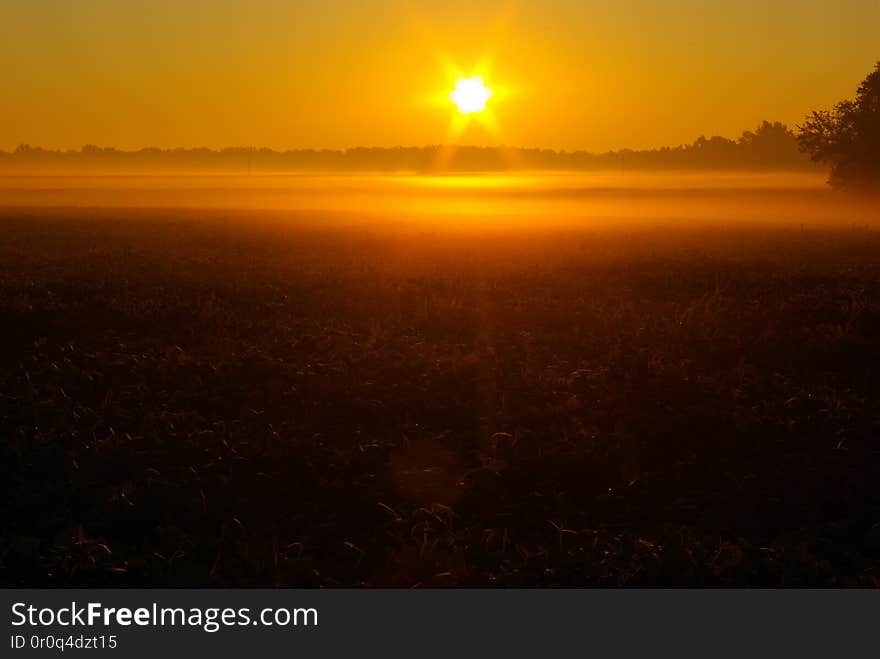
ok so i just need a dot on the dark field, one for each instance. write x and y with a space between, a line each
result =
229 398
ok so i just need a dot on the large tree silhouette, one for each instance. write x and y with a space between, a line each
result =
848 137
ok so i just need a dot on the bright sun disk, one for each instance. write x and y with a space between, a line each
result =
470 95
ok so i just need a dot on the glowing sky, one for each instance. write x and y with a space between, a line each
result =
592 74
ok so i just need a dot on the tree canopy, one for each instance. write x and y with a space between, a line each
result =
848 137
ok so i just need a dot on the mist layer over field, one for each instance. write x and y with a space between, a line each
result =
537 200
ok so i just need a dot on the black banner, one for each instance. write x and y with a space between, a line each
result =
143 623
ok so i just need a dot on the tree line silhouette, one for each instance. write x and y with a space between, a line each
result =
771 146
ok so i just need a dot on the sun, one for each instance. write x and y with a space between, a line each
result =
470 95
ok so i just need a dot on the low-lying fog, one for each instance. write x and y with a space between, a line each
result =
587 198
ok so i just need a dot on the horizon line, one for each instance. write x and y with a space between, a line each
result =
440 145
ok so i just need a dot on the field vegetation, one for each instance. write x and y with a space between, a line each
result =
201 398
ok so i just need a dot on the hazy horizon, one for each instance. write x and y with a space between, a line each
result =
768 147
732 136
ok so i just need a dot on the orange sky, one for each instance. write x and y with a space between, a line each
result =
572 74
